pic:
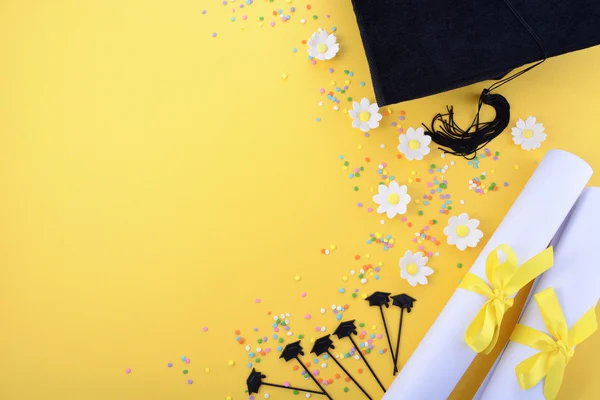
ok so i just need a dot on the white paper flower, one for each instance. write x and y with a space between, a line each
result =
463 232
323 46
414 144
392 200
413 268
528 134
365 115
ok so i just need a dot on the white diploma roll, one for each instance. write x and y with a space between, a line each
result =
442 357
576 281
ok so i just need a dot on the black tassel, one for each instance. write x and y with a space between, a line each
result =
466 143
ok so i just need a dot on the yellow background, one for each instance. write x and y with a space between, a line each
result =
155 180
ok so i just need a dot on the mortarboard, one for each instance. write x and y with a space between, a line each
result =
403 301
379 299
346 329
416 48
292 351
322 345
254 381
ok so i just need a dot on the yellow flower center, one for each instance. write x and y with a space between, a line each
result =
322 48
412 269
364 116
393 199
527 134
414 144
462 231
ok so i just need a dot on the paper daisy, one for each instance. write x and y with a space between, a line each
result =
528 134
413 268
323 46
365 115
414 144
462 231
392 199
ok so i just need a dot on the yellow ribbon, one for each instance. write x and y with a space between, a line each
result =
556 350
506 279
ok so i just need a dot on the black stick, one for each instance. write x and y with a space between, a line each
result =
398 342
291 388
314 379
388 338
349 376
367 364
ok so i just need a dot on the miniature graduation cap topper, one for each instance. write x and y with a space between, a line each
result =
346 329
502 36
379 299
403 301
292 351
322 345
254 381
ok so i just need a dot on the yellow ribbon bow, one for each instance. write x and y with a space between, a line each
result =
556 350
506 279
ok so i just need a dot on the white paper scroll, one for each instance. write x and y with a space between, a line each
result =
442 357
534 289
576 281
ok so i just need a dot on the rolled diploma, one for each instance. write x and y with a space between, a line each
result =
576 282
442 357
534 290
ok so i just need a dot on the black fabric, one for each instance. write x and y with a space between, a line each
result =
417 48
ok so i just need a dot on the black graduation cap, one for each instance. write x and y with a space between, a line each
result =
322 345
403 301
379 299
416 48
346 329
254 381
292 351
